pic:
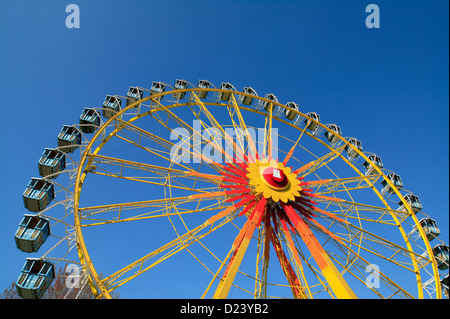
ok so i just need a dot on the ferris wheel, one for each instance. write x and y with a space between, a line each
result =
203 192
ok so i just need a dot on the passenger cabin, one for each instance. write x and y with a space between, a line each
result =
311 125
36 276
134 94
32 233
352 153
395 179
180 85
38 194
445 285
111 105
269 106
89 120
430 228
203 84
332 137
69 138
157 87
369 168
413 202
287 111
225 96
52 161
247 100
440 252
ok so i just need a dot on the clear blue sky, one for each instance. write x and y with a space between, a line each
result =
386 86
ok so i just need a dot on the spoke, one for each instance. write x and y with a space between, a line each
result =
329 270
192 189
144 133
173 247
353 210
156 203
161 171
296 287
267 145
362 263
239 248
263 257
239 129
215 124
197 154
296 259
368 239
251 143
291 151
166 144
154 152
150 215
345 184
324 160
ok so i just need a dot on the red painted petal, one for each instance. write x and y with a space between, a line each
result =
238 191
233 199
248 207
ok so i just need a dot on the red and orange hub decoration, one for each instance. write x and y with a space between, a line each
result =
273 196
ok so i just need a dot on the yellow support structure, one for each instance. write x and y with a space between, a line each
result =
240 246
337 283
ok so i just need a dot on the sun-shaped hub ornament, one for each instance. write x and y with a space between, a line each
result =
273 180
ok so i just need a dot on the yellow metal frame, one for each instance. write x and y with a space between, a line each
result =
100 287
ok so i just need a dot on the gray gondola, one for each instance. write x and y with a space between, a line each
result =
180 85
445 286
332 137
51 162
395 179
203 84
352 153
441 253
38 194
35 278
157 88
369 169
312 125
32 233
111 105
69 138
269 106
413 201
247 100
430 227
288 113
134 94
225 96
89 120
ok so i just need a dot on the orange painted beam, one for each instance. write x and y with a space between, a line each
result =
239 248
293 249
334 278
296 287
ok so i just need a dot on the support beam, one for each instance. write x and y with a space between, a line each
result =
239 248
337 283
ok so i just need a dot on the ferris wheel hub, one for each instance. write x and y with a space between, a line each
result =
273 180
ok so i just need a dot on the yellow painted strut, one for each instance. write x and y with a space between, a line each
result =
337 283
